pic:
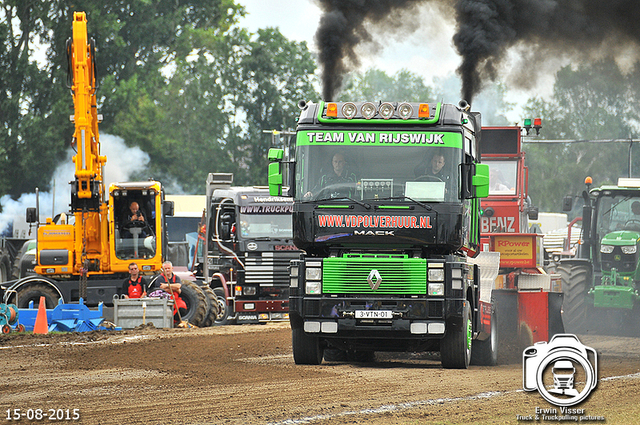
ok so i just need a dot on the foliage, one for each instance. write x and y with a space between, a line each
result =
375 85
178 79
588 103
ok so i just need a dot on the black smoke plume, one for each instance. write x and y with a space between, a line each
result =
583 30
342 28
540 30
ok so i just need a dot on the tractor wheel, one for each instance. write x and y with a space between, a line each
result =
33 292
576 281
485 353
455 347
196 302
306 348
224 310
212 305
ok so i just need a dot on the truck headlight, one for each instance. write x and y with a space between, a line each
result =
313 273
436 289
606 249
249 290
629 249
313 288
436 275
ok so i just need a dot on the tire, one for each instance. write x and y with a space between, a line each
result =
306 349
5 268
224 310
212 306
485 353
196 302
576 281
335 355
455 347
33 292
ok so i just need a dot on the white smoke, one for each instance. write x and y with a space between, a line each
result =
122 162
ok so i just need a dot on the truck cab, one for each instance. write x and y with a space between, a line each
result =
386 209
249 245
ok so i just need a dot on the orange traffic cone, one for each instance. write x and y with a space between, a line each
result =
41 326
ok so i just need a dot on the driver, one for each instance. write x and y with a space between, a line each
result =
338 176
136 218
434 168
635 207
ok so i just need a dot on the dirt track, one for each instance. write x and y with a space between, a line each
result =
246 375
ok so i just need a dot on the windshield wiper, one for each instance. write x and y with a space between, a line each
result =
362 204
391 198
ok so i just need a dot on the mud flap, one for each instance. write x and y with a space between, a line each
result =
556 326
506 305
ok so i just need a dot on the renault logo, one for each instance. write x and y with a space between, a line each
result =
374 279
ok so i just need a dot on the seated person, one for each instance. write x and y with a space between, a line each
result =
496 182
135 218
340 177
171 284
433 170
135 286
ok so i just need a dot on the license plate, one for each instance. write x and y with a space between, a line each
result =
374 314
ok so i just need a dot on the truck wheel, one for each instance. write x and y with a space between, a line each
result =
212 306
196 303
485 353
306 349
5 268
224 310
33 292
455 347
575 285
335 355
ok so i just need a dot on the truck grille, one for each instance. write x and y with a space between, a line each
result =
268 268
398 275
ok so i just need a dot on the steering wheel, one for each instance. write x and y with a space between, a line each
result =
428 178
134 223
632 224
341 190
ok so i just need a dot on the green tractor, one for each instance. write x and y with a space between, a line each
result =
601 284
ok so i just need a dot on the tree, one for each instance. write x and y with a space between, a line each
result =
375 85
210 115
590 102
136 41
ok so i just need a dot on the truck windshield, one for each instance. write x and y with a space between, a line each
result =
361 171
618 212
265 226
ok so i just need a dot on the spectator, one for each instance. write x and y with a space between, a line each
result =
135 286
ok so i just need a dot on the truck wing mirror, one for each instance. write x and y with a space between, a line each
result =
32 217
275 171
567 203
481 180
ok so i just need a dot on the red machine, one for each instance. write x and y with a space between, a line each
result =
523 290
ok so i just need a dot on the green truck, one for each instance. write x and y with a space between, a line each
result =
387 211
601 284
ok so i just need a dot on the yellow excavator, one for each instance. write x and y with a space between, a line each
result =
86 252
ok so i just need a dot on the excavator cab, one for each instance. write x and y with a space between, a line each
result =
136 211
